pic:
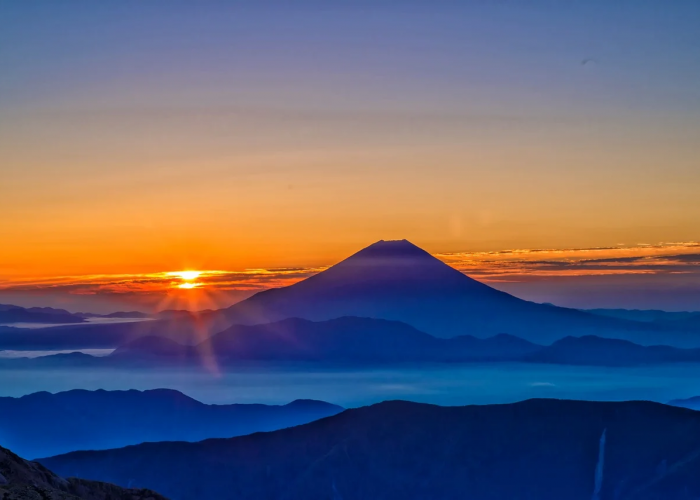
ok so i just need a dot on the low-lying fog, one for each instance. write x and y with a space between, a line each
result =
446 384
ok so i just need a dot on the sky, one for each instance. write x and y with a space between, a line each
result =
143 137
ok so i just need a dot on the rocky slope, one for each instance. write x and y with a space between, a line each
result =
23 480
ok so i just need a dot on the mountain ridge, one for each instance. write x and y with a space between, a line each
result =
24 480
15 314
539 448
346 340
361 342
81 419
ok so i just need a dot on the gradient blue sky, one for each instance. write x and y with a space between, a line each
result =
147 136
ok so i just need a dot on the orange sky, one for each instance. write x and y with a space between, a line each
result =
234 137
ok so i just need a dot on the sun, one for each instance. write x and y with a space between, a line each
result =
188 279
188 285
187 275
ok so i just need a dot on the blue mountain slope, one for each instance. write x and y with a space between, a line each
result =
44 424
536 449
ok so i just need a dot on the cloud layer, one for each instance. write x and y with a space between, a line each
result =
529 264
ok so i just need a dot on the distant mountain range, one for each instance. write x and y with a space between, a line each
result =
98 335
644 315
43 424
342 340
48 315
536 449
691 403
359 341
118 314
592 350
24 480
368 341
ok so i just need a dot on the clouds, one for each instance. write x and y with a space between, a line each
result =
249 279
523 265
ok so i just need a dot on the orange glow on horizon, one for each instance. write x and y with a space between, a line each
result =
490 267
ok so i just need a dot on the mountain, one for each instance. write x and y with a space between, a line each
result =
341 340
23 480
396 280
692 403
593 350
49 315
154 347
361 341
52 361
691 322
644 315
43 424
536 449
117 315
100 336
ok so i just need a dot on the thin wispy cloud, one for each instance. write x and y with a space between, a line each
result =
255 279
526 264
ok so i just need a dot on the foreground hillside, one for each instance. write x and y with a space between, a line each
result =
537 449
23 480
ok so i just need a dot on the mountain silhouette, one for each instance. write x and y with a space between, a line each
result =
691 322
360 341
49 315
105 335
396 280
593 350
24 480
342 340
536 449
692 403
42 424
116 315
644 315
